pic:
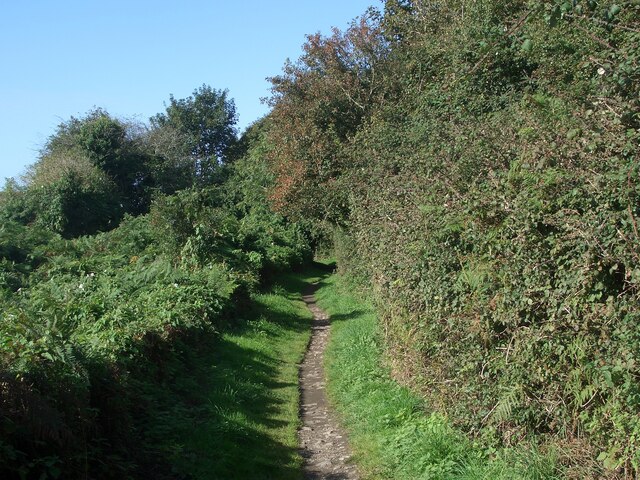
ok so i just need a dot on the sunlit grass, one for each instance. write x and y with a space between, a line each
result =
392 433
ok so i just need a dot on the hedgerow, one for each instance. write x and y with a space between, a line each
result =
493 204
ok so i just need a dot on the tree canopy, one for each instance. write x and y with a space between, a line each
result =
206 120
96 168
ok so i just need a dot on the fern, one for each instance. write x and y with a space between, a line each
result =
503 411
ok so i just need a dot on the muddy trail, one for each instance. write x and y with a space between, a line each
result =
323 444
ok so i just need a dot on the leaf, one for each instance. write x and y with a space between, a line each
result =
554 17
614 10
506 404
573 133
527 45
609 459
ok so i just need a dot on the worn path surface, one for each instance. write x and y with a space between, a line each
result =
323 444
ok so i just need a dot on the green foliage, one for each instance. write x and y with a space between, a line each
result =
70 339
91 327
67 195
391 433
111 146
490 199
206 120
96 168
22 251
230 408
88 175
274 243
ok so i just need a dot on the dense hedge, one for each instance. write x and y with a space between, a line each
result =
494 200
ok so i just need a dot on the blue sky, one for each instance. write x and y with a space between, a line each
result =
62 58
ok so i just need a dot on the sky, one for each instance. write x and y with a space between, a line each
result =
62 58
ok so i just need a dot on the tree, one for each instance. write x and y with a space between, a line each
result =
170 161
207 121
318 105
90 172
111 145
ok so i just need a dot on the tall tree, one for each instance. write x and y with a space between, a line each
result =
318 104
207 121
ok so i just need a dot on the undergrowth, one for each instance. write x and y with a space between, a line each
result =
478 161
115 344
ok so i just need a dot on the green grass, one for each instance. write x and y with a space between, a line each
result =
231 408
391 432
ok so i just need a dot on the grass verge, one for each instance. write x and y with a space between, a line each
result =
390 433
230 408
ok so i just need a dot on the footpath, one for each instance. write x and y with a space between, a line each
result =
323 444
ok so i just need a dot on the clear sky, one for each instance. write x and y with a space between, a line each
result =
62 58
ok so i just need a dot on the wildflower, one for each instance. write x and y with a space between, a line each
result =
601 71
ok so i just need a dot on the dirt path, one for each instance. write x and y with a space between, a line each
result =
323 445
